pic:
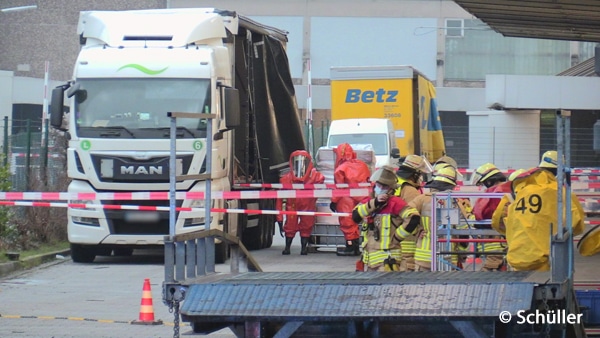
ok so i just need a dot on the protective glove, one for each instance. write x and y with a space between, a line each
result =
332 206
281 232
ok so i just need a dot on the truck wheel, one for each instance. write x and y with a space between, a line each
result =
102 251
266 224
81 254
251 236
123 252
269 235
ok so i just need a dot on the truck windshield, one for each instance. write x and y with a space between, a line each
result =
378 141
137 108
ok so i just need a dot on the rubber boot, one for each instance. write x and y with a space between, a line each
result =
304 244
351 249
288 243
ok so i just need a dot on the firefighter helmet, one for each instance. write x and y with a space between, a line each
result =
483 173
385 175
516 174
416 163
445 160
446 174
549 159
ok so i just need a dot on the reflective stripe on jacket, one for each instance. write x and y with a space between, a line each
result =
379 225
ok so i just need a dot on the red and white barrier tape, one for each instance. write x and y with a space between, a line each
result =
251 194
585 178
163 208
300 186
164 195
579 171
583 185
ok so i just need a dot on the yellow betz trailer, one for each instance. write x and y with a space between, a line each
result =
399 93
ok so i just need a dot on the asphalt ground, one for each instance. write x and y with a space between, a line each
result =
36 275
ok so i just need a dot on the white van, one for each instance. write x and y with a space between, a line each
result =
377 132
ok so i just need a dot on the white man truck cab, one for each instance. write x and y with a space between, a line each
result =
134 67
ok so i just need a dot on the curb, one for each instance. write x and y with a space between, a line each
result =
30 262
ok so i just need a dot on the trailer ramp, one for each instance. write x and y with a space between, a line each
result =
359 304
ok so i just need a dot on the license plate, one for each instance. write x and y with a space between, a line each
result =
142 216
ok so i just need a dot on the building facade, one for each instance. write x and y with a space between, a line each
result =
453 49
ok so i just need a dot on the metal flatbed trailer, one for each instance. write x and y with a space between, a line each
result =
362 304
357 304
253 303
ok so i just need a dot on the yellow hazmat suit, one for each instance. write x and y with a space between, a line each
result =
527 216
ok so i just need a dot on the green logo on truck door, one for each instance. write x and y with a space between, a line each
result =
143 69
85 145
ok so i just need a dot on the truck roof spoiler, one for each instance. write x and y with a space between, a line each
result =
180 26
254 26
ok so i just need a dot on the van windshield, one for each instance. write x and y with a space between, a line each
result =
378 141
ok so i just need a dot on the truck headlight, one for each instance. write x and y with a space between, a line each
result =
86 220
197 221
82 202
197 203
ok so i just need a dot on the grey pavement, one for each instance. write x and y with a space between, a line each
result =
67 307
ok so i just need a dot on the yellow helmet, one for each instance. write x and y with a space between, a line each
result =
386 176
445 160
515 174
549 159
446 174
437 166
483 173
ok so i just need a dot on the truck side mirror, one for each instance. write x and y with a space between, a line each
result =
395 153
57 107
80 94
231 105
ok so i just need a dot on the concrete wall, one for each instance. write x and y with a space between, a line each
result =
509 139
6 93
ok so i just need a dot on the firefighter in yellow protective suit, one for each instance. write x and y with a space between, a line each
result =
444 179
385 221
529 212
409 180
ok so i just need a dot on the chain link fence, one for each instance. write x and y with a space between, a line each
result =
35 157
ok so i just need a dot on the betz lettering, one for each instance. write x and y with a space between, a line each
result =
141 170
368 96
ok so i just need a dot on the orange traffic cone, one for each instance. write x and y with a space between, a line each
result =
146 309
